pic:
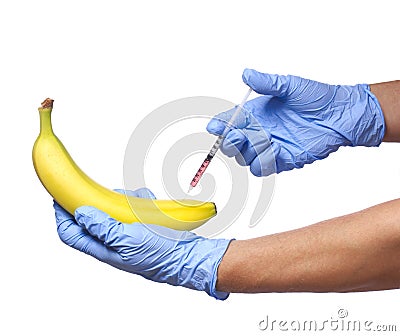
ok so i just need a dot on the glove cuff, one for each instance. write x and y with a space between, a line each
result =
375 106
200 271
212 289
369 124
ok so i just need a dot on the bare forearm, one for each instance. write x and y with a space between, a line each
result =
356 252
388 95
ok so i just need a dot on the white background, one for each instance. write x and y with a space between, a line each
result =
109 63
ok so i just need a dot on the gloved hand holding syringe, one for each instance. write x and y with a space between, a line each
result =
218 143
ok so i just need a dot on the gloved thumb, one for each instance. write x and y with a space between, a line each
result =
141 192
266 84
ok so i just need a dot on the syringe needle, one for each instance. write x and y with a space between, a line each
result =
217 144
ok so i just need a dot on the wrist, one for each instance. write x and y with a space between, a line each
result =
387 97
233 270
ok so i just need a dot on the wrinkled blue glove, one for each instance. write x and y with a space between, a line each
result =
298 121
179 258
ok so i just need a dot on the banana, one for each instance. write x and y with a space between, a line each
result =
72 188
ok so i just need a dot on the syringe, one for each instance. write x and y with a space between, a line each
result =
217 143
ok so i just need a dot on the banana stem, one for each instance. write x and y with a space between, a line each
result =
45 116
47 103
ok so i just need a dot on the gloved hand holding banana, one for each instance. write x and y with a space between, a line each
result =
179 258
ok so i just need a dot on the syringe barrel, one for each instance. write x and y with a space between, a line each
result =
201 170
216 146
218 142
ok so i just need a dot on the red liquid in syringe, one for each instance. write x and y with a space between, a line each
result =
201 171
217 143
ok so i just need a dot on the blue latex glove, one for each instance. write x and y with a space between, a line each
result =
298 121
179 258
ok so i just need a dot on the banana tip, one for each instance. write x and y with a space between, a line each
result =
215 207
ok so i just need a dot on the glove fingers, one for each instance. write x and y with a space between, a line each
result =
141 192
233 143
255 144
81 240
267 84
78 238
67 229
152 231
265 163
98 224
61 214
218 123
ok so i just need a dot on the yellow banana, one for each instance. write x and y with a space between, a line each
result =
72 188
